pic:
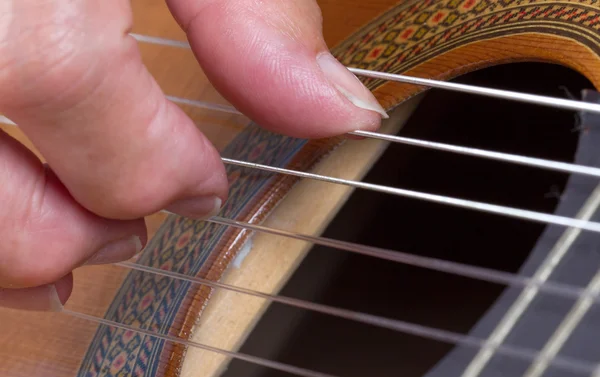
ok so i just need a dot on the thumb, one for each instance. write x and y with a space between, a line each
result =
269 59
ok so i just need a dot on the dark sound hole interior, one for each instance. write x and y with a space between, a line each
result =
440 300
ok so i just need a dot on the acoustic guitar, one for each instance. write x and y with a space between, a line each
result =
459 240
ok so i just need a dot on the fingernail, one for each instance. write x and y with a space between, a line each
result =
45 298
117 251
198 208
348 84
55 303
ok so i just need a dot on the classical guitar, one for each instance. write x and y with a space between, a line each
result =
459 240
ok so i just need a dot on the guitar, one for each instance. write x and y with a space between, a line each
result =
470 293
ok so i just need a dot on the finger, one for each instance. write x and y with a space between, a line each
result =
269 59
51 297
46 234
76 85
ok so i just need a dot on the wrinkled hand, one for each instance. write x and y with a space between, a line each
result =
71 77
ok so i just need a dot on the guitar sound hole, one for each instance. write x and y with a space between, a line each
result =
439 300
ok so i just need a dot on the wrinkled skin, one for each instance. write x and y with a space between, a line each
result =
71 77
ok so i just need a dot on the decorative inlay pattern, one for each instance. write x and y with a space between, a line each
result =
409 35
184 246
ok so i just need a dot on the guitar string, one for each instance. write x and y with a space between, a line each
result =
531 291
482 153
458 149
522 353
575 316
440 199
564 330
530 215
507 211
434 264
382 322
440 265
385 189
562 363
477 152
505 157
237 355
546 359
471 89
541 163
405 327
532 288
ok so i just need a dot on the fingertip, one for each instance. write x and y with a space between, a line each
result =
210 191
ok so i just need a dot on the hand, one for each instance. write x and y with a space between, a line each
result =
71 77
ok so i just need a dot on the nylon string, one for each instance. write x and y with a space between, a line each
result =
498 156
493 344
458 149
434 264
236 355
542 358
483 91
440 199
521 97
473 205
463 270
567 363
526 297
562 333
430 333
